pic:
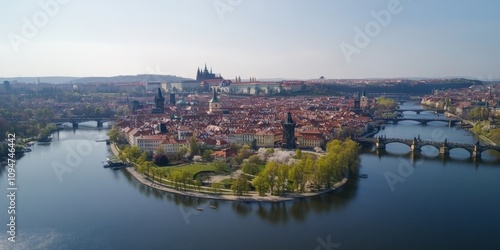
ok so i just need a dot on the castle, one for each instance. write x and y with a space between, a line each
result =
202 75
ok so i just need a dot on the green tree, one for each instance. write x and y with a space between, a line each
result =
479 114
207 155
298 154
269 174
298 174
114 134
221 166
240 186
282 174
260 185
194 147
243 153
250 168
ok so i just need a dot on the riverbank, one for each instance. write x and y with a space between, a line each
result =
251 197
484 138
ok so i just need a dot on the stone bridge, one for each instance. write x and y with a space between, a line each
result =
76 120
422 121
418 111
416 145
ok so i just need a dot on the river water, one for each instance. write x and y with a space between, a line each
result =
67 200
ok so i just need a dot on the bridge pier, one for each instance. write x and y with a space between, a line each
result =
476 155
414 148
75 124
379 145
423 122
99 123
444 150
476 152
417 111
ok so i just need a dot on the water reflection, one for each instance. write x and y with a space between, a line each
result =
275 213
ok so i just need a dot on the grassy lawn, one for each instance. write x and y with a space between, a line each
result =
193 169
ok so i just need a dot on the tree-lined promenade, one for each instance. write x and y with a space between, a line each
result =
276 175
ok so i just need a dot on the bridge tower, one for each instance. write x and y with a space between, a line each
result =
444 150
380 143
288 132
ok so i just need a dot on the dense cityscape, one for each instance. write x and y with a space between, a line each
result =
224 124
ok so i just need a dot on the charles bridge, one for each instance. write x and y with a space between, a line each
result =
422 121
416 144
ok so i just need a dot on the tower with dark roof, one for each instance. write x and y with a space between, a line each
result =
214 103
288 132
159 102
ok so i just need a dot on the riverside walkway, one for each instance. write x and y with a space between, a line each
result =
251 196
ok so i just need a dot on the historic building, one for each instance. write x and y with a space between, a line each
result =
363 101
202 75
214 105
159 103
288 132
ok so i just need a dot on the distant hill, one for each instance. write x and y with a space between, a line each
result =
131 78
45 79
111 79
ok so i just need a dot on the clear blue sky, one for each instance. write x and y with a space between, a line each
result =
254 38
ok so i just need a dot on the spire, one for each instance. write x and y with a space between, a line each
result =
289 117
214 96
159 93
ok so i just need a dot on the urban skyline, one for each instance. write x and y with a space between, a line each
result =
293 39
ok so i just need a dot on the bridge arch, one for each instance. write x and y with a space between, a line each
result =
461 149
495 152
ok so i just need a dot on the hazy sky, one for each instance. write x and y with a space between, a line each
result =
258 38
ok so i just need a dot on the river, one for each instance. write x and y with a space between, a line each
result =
67 200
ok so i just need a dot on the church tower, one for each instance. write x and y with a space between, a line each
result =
214 104
363 102
357 101
288 132
160 101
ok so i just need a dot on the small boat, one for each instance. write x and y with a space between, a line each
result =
27 149
364 176
213 206
199 208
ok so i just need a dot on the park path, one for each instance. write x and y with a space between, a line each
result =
252 196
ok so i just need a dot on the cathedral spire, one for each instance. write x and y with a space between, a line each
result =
214 96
